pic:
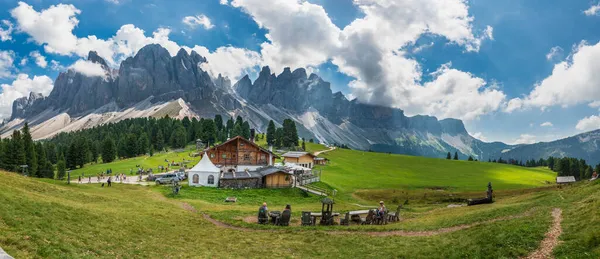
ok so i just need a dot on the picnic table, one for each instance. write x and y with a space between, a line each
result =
316 215
274 215
355 215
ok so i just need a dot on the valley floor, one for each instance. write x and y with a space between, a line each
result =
40 218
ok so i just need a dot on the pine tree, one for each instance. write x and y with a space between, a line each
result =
219 122
271 133
61 168
455 155
237 130
279 137
449 156
303 145
230 125
40 154
246 130
160 141
470 158
143 144
28 146
210 132
109 150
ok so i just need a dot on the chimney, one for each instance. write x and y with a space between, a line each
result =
270 155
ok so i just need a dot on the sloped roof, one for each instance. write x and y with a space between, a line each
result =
267 170
565 179
205 165
245 140
296 154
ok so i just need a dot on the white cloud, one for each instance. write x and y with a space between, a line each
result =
56 66
228 61
193 21
7 58
525 139
593 10
547 124
88 68
53 28
23 61
39 59
594 104
6 29
370 49
480 136
224 2
113 1
555 52
588 123
300 34
21 87
573 81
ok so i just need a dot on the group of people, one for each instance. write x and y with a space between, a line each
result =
263 212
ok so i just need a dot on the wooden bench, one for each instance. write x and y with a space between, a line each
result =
231 199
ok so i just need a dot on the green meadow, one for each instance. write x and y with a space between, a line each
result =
51 219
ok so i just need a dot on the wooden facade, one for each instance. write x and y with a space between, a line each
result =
303 159
277 180
240 151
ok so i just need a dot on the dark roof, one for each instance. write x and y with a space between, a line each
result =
296 154
267 170
258 173
245 140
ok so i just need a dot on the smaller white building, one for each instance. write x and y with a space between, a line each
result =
205 173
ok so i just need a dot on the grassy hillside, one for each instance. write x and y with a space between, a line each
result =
351 170
43 219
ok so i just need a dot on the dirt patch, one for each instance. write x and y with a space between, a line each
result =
188 207
374 233
251 219
551 240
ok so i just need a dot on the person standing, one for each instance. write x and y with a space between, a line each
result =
108 181
79 179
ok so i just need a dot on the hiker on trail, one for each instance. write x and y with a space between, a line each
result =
79 179
108 181
381 209
90 179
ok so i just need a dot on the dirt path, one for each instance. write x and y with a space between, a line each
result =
4 255
323 151
369 233
551 240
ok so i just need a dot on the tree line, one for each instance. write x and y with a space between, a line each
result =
565 166
106 143
285 136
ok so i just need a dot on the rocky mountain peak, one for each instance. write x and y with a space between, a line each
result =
300 73
95 58
453 127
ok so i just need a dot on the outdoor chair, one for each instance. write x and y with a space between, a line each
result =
284 219
381 219
395 215
369 219
306 218
262 217
346 220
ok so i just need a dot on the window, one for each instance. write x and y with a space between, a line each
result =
263 156
196 179
224 156
246 156
212 155
211 179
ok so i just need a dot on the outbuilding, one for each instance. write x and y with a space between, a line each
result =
205 173
565 179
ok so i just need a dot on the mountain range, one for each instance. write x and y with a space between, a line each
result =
154 83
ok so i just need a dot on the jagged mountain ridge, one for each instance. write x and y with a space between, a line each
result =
152 83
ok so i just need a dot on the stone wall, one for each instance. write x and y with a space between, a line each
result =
240 183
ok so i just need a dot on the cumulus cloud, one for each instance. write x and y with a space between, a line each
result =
573 81
88 68
228 61
525 139
224 2
56 66
547 124
113 1
21 87
194 21
6 29
593 10
371 50
555 52
39 59
588 123
480 136
7 58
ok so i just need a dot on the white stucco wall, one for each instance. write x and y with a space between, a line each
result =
203 179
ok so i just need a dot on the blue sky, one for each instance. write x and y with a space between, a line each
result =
486 62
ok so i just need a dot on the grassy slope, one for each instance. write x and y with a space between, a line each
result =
125 165
350 170
40 219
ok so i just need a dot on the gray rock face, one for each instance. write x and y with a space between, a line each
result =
151 72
